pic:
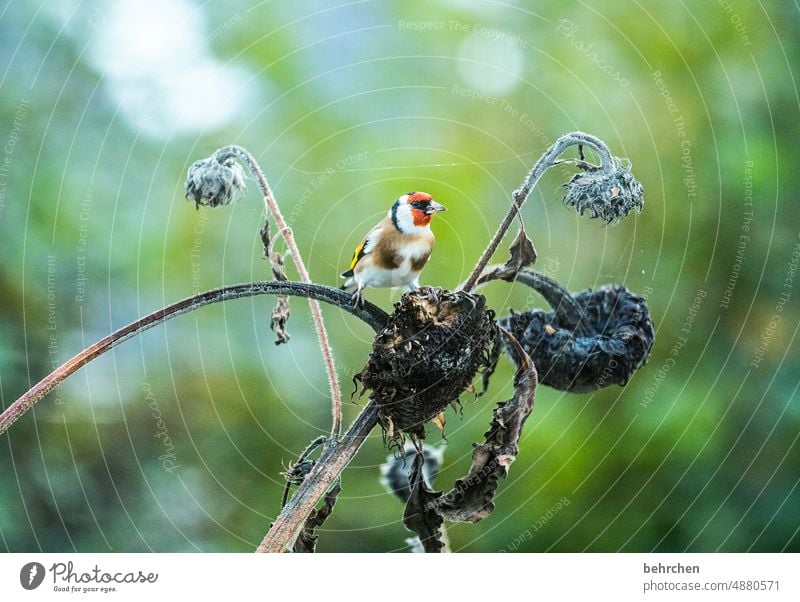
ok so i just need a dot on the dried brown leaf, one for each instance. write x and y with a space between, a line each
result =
276 264
472 498
440 420
307 540
280 314
264 233
522 254
282 311
420 515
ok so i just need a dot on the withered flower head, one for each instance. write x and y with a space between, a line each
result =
608 195
212 183
611 341
426 356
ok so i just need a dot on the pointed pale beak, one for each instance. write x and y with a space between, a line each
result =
434 207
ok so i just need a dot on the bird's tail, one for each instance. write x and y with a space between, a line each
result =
350 284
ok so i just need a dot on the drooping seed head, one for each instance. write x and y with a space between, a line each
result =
607 195
212 183
612 340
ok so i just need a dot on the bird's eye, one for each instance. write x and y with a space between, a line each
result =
416 204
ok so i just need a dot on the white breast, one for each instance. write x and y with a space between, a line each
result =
414 250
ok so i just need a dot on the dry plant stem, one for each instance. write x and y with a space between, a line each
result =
331 463
316 312
559 298
370 314
547 160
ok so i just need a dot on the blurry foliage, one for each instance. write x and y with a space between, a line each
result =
352 108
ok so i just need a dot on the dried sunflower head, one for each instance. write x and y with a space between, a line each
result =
213 183
426 356
609 195
615 338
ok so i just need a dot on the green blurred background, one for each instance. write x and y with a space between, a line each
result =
104 107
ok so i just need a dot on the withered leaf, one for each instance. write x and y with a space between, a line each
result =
420 515
472 497
276 263
307 540
282 311
522 253
280 314
264 233
440 420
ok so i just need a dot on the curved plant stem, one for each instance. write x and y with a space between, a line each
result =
372 315
316 312
557 297
547 160
309 448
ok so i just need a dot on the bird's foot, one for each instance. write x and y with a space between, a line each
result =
358 298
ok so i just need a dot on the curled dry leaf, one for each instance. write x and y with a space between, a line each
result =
420 515
282 311
307 540
522 254
280 314
472 498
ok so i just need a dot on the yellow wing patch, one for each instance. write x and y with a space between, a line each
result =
358 254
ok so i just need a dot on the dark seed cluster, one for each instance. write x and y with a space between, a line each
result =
612 340
426 356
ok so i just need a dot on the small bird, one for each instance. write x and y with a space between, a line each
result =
394 252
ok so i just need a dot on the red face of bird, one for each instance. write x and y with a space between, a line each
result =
415 209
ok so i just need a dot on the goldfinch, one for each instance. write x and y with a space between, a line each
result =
394 252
